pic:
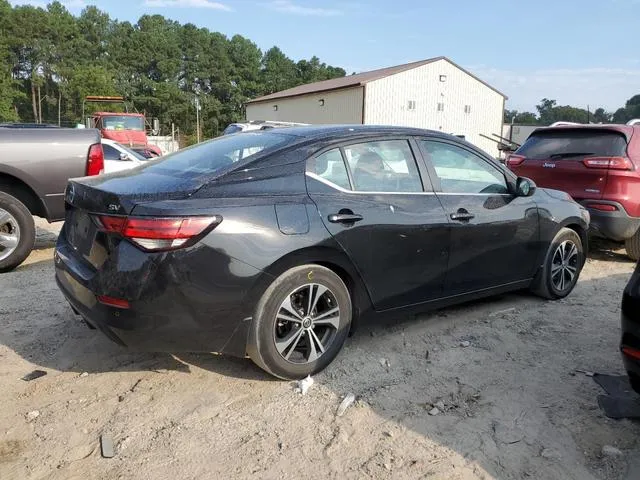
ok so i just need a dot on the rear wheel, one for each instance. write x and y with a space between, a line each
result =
17 232
562 266
632 246
301 322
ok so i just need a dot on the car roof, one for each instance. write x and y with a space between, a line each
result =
346 131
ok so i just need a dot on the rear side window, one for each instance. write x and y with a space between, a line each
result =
330 166
218 154
232 129
566 143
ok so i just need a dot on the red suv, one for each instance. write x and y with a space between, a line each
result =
598 165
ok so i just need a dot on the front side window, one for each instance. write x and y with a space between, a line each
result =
383 166
461 171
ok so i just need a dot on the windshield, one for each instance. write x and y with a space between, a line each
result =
117 122
567 143
219 154
133 153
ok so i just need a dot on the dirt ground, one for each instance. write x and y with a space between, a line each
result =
511 403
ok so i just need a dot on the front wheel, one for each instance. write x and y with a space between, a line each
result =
17 232
562 266
301 322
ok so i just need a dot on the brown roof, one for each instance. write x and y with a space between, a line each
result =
358 80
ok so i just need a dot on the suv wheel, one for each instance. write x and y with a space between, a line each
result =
17 232
632 245
562 266
300 323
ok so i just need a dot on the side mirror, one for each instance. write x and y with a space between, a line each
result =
124 156
525 187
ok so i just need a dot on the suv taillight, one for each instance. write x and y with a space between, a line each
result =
159 233
95 160
515 160
608 163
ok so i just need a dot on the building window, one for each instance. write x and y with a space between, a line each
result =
443 78
411 105
467 109
275 108
441 107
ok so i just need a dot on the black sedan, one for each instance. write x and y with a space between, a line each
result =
630 344
273 244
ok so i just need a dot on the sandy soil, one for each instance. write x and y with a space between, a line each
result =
511 404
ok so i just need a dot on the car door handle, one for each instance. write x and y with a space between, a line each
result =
344 217
462 215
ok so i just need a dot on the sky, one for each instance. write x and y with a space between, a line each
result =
578 52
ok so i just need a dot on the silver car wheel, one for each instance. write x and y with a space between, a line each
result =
9 234
564 265
306 323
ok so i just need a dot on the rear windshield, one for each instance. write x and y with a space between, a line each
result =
218 154
232 129
564 143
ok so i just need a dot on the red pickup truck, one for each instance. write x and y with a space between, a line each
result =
598 165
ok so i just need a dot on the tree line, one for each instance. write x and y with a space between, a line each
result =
549 112
50 60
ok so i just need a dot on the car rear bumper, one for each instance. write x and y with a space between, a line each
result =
617 226
195 299
631 335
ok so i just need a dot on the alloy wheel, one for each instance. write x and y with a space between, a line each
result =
306 323
564 265
9 234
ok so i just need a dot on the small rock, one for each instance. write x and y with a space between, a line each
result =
346 403
426 355
610 451
32 415
387 466
280 445
440 405
84 374
304 385
85 431
106 446
434 411
384 362
550 454
120 398
388 434
465 344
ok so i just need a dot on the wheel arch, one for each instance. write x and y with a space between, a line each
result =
578 226
20 190
332 258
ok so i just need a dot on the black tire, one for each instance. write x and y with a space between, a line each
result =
632 246
27 228
261 345
544 285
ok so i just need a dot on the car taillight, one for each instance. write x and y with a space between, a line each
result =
609 163
515 160
159 233
95 160
631 352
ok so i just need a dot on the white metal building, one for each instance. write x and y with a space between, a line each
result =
435 94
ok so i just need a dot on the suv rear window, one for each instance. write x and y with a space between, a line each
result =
216 155
565 143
